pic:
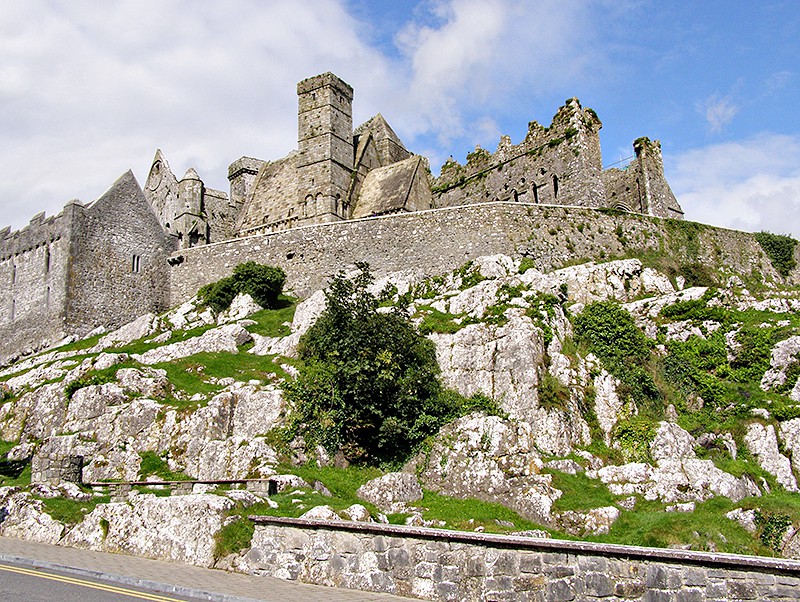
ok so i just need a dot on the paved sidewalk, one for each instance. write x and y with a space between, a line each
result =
174 578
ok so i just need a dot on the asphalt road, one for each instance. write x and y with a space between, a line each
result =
25 584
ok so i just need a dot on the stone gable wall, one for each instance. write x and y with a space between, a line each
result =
106 287
433 564
436 241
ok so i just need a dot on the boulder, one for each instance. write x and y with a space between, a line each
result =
491 459
763 444
143 326
784 354
672 442
321 513
177 528
241 307
392 491
24 517
225 338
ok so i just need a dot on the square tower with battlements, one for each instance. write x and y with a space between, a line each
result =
325 145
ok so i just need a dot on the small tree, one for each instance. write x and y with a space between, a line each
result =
369 382
262 282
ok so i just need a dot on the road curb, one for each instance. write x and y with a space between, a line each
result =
155 586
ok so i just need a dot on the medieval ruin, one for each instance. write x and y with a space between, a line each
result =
106 262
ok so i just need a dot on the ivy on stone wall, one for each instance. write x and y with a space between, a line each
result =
780 250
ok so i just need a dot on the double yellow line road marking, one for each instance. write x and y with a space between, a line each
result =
90 584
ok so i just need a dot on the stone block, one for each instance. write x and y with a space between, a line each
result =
560 591
694 577
475 566
655 595
742 590
656 576
716 589
689 595
630 589
499 584
530 563
507 563
598 584
529 583
593 564
398 557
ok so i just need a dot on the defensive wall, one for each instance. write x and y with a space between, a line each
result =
101 264
435 564
439 240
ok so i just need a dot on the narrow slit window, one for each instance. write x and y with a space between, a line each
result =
136 264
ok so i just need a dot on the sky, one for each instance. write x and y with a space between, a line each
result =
91 88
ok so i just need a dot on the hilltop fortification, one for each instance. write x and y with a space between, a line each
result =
126 253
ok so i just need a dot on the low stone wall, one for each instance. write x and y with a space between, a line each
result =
434 564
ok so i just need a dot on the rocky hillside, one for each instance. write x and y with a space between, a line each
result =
633 408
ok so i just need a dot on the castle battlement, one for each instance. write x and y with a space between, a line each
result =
113 259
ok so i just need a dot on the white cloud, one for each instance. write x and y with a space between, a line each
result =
472 58
718 112
750 185
90 89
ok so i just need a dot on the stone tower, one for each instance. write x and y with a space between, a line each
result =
325 145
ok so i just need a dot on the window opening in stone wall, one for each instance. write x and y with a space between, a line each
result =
46 259
13 274
13 309
555 187
47 298
535 193
136 264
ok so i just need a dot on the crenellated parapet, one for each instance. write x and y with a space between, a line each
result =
559 164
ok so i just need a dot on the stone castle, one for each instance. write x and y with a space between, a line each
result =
137 250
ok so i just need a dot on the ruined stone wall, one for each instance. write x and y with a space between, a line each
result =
33 279
118 271
436 241
439 565
560 164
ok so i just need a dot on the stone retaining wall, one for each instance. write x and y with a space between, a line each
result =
436 241
434 564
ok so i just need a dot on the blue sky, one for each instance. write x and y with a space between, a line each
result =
89 89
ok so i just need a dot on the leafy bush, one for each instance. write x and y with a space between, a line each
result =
754 353
695 309
96 379
780 250
634 437
552 393
609 332
696 274
262 282
368 386
772 527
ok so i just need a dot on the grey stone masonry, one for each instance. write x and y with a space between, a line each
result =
436 241
56 469
434 564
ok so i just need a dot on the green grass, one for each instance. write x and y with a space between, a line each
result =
154 464
580 492
71 512
193 374
469 514
233 537
437 321
273 322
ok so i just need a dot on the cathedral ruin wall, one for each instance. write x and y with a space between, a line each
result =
439 240
119 267
34 270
